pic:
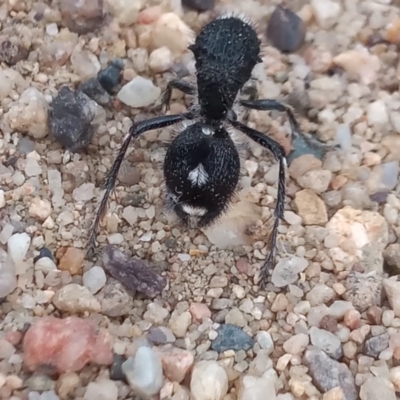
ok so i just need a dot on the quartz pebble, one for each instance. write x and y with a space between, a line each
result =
376 387
18 245
103 389
65 344
144 372
257 388
170 31
160 60
287 270
29 114
296 344
326 12
94 279
125 11
209 381
8 279
2 199
392 289
139 92
84 63
40 209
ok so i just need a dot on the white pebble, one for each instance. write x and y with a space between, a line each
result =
209 381
326 12
139 92
94 279
160 60
103 389
40 209
18 245
2 199
377 113
115 238
52 29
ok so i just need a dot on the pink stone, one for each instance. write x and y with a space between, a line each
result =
176 362
66 344
200 311
352 319
243 265
14 337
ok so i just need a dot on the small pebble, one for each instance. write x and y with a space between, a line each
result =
94 279
139 92
209 381
286 30
231 337
144 372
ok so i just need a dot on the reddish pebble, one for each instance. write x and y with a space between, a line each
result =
243 265
200 311
176 362
72 261
374 315
352 319
149 15
14 337
329 323
66 344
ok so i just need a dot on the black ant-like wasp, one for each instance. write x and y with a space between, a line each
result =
202 164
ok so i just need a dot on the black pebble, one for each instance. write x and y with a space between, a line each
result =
110 76
44 252
116 373
95 91
70 119
199 5
286 30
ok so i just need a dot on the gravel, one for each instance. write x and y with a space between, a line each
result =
175 313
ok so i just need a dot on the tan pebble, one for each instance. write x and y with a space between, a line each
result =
338 181
66 384
334 394
197 252
311 208
14 382
303 164
72 261
393 32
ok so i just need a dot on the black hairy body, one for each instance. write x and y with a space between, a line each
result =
202 164
201 174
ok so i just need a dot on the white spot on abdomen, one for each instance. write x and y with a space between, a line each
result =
194 211
207 131
199 176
